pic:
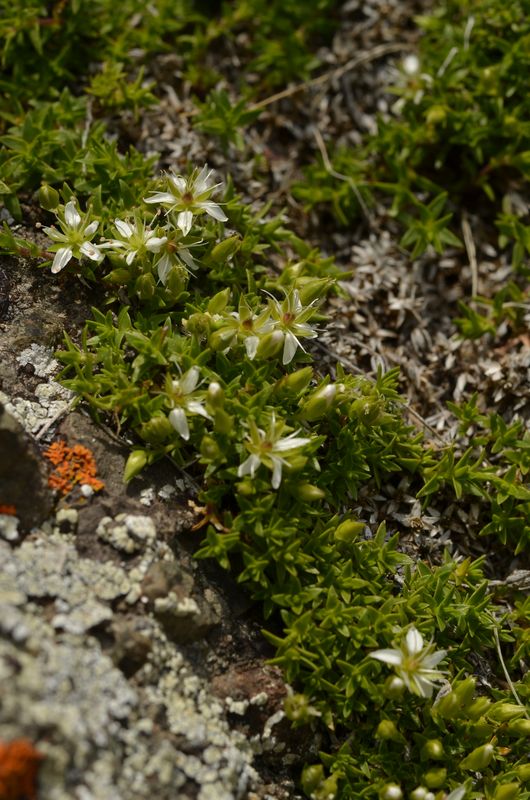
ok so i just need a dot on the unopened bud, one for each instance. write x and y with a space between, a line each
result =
145 286
310 289
479 758
296 381
523 772
135 464
420 793
478 707
225 249
48 197
307 492
432 749
519 727
219 302
387 730
504 712
118 277
209 448
215 397
349 530
327 789
270 345
312 777
391 791
465 690
507 791
434 778
393 687
157 430
319 403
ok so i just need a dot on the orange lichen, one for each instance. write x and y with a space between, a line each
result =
19 765
10 510
73 465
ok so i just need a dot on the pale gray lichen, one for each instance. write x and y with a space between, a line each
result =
9 527
127 532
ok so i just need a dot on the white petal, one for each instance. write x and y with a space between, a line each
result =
276 472
394 657
155 243
178 182
249 466
189 380
414 641
71 214
124 228
213 210
164 268
91 251
54 234
251 346
290 346
187 258
201 182
61 259
177 418
282 445
92 228
423 687
185 221
160 197
196 408
431 661
130 257
457 794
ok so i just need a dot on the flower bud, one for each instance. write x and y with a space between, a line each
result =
295 382
220 339
507 791
310 289
387 730
318 403
135 464
504 712
327 789
449 706
176 281
419 793
118 277
435 115
157 430
245 488
219 302
225 249
465 690
222 422
209 448
198 323
393 687
312 777
478 707
479 758
145 286
519 727
48 197
298 709
270 345
433 750
390 791
434 778
368 410
349 530
307 492
523 772
214 397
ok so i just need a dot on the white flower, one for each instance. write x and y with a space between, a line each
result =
246 326
75 238
290 317
180 393
414 663
188 196
270 449
135 239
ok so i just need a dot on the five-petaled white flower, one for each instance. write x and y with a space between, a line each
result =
135 239
247 326
270 449
188 196
414 662
75 239
181 397
290 317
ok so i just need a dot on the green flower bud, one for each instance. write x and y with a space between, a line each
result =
223 422
387 730
435 115
319 403
419 793
435 778
432 750
478 707
449 706
220 339
176 282
298 708
310 289
198 323
390 791
368 410
523 772
479 758
210 449
245 488
519 727
307 492
465 691
504 712
349 530
225 249
157 430
219 302
215 397
312 777
270 345
118 277
135 464
393 688
145 286
327 790
295 382
507 791
48 197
